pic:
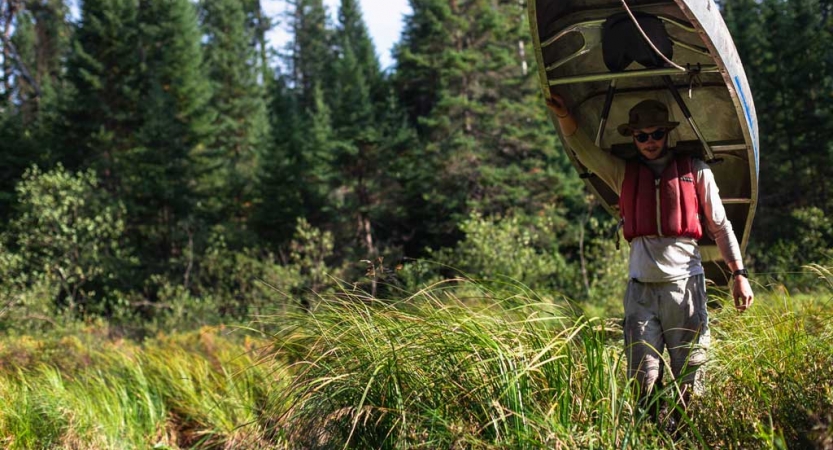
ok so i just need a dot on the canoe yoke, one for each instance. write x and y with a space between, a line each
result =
627 37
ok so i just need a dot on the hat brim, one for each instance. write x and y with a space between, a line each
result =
626 129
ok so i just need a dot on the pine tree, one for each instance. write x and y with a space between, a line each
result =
102 113
41 39
239 128
173 94
311 54
279 202
486 146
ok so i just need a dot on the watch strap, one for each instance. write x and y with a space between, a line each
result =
743 272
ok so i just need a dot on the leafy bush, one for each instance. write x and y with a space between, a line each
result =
514 249
607 269
244 283
65 245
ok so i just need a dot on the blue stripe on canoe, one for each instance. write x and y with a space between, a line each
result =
748 112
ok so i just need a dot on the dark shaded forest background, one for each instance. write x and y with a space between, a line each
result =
160 163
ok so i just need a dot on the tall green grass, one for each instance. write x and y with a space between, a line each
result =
192 391
433 371
444 368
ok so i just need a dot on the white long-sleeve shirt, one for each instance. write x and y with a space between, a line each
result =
661 258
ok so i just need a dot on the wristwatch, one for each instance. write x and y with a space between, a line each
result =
743 272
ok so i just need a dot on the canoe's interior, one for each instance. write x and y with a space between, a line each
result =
706 96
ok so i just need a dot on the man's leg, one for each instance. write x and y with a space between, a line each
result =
685 320
643 337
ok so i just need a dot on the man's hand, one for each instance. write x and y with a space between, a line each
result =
742 292
557 105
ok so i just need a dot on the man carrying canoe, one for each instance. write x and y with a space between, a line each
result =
662 197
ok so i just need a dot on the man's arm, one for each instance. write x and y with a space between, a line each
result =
609 168
721 229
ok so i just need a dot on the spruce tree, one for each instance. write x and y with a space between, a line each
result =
316 160
28 125
138 113
351 32
311 54
359 161
259 24
279 201
101 117
486 145
173 95
786 49
239 126
296 174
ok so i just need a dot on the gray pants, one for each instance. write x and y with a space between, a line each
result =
668 315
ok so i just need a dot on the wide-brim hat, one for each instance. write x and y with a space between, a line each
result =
646 114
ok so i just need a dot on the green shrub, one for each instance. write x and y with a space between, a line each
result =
64 248
607 269
246 283
516 249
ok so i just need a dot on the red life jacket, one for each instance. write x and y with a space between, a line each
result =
675 191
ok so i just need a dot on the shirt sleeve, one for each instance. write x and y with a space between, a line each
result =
607 167
717 224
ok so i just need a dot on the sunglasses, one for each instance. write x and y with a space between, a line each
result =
643 137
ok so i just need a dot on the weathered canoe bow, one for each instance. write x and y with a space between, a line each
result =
585 50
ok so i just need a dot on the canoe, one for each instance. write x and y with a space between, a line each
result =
604 56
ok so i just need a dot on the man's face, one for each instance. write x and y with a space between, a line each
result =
646 141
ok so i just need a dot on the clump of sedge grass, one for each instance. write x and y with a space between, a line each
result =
193 391
771 379
432 371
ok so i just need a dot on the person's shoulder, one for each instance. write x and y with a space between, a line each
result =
698 164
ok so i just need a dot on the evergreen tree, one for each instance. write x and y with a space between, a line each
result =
316 160
297 173
174 92
239 128
786 49
259 25
102 114
279 202
477 110
138 113
352 33
311 52
41 39
358 158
